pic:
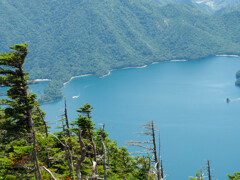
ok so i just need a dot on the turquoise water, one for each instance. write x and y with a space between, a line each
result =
187 101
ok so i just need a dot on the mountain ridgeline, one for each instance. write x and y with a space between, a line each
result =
70 38
208 6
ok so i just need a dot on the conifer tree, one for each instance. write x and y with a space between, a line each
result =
85 123
20 103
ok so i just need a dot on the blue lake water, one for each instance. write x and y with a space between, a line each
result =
186 100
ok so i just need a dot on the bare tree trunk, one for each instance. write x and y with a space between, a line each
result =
68 127
104 158
155 149
94 170
43 120
69 158
79 175
35 154
94 149
159 157
83 155
209 170
66 117
46 130
162 175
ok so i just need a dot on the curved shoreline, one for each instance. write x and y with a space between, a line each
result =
84 75
138 67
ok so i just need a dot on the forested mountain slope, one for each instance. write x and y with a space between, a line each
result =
69 38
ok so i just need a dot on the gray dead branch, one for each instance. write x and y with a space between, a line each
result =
46 169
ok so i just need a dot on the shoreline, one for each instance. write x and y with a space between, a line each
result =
178 60
109 72
225 55
144 66
84 75
41 80
136 67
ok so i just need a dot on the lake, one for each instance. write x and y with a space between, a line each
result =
187 102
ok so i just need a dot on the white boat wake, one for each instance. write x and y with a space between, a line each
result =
75 97
237 99
232 100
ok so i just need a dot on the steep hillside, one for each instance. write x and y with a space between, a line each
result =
69 38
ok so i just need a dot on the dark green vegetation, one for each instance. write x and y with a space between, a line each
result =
69 38
236 176
237 82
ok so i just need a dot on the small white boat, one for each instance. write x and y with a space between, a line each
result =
74 97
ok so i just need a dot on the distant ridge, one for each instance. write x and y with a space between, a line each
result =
208 6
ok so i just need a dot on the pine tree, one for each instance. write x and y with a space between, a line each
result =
20 103
85 123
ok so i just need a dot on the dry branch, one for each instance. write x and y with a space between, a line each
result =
49 172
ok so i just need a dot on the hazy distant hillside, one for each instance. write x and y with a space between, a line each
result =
214 5
209 6
68 38
228 10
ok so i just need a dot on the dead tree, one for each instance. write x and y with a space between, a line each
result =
104 154
68 132
46 130
159 157
37 167
209 170
151 145
94 170
43 120
83 155
66 118
161 169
